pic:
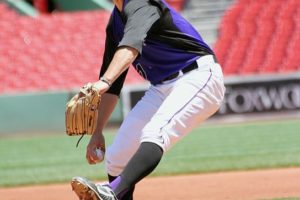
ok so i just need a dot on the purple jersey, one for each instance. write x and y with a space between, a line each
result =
165 40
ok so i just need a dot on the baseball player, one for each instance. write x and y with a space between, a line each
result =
186 88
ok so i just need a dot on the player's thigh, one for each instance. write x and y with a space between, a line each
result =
191 102
127 139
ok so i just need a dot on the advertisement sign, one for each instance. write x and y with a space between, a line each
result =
255 94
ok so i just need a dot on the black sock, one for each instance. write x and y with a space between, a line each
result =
143 162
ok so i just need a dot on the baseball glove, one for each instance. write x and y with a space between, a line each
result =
82 111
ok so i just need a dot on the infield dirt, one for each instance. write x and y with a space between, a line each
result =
242 185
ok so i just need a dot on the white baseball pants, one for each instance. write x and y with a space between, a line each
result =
168 112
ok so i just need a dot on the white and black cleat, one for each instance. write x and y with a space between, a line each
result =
87 190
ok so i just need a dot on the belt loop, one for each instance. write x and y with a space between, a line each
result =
215 58
180 73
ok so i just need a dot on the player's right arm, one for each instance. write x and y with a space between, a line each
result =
107 105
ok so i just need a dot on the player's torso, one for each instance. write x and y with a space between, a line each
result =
171 44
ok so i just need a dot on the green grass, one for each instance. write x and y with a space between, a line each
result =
54 158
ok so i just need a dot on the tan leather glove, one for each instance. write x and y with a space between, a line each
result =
82 111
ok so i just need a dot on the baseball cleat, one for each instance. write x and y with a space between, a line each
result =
87 190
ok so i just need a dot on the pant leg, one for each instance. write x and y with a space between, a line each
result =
194 97
127 139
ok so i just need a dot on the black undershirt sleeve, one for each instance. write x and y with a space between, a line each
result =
110 49
140 16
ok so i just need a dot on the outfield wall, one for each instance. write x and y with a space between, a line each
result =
38 112
244 94
44 111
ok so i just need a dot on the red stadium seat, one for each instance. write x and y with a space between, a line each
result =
228 31
176 4
259 44
64 50
265 41
292 60
246 29
51 51
284 29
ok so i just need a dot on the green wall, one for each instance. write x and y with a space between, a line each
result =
73 5
38 112
23 7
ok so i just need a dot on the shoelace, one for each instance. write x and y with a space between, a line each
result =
79 140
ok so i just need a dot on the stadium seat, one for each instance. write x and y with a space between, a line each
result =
292 60
176 4
51 51
258 47
246 29
6 13
285 26
228 31
64 50
264 37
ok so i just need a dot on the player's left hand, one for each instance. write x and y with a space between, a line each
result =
101 86
81 114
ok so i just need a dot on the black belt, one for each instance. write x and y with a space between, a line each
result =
190 67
